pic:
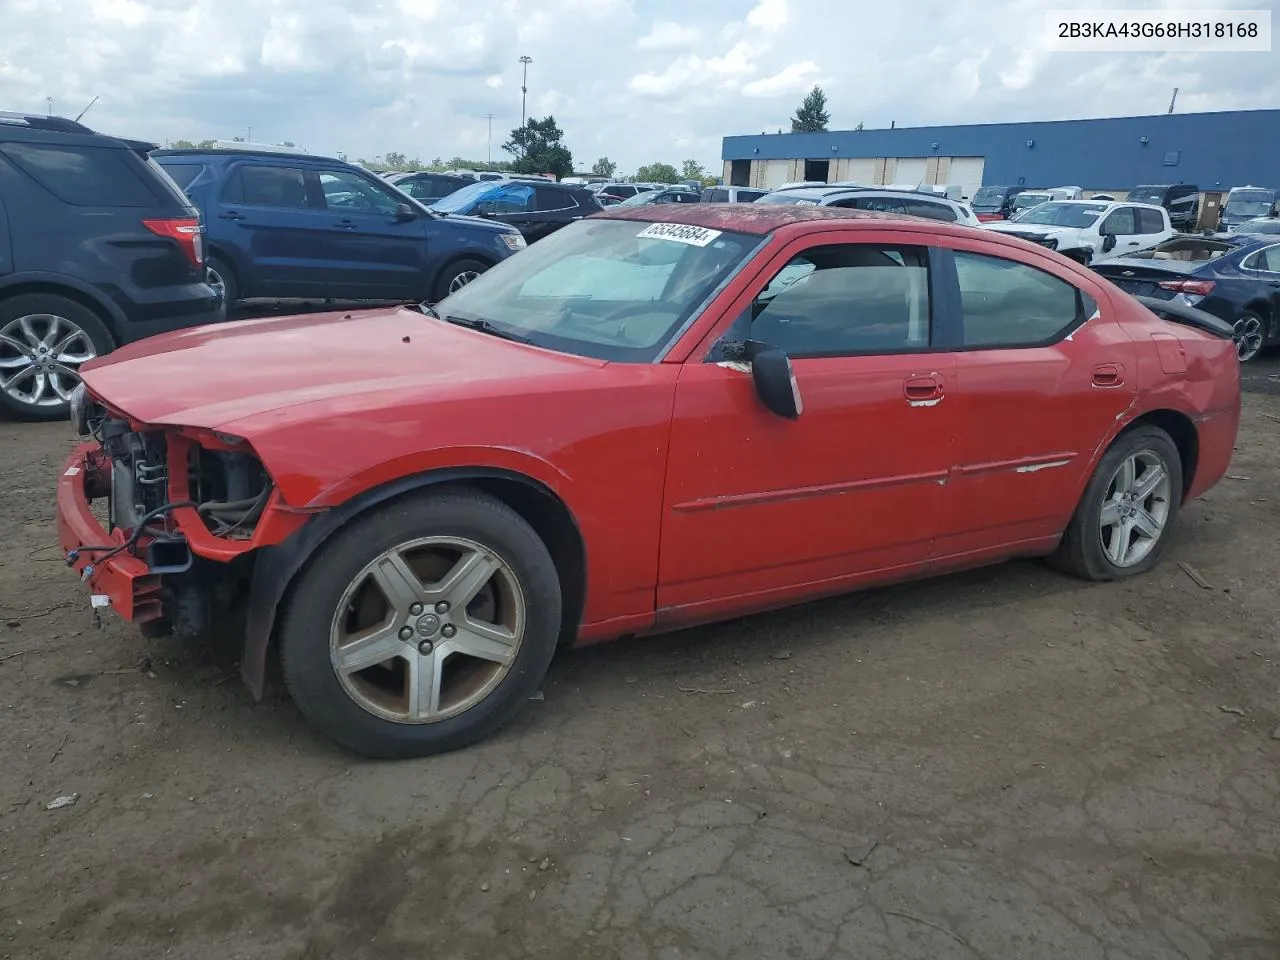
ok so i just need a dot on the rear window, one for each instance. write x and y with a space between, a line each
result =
83 176
715 196
1154 195
181 173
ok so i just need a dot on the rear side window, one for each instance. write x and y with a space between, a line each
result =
1150 221
1009 304
182 173
261 185
83 176
749 196
549 199
934 211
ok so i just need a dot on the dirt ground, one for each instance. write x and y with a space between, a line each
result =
1006 764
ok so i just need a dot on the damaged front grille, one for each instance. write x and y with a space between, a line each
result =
139 473
231 489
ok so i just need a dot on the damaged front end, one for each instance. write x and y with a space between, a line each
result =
163 522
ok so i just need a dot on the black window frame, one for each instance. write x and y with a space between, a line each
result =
741 328
1086 306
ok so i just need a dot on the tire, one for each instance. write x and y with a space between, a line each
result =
452 276
221 274
362 694
34 383
1249 334
1083 551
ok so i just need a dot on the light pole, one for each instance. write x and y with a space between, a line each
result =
489 117
524 87
49 101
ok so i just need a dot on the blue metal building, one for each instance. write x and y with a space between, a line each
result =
1215 151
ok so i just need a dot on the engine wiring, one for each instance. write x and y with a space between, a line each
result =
230 515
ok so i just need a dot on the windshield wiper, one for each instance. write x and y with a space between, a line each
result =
484 326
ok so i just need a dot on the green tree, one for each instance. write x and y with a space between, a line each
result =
238 139
604 167
692 170
658 173
812 116
395 160
859 126
182 145
537 148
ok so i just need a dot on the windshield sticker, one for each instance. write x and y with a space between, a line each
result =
680 233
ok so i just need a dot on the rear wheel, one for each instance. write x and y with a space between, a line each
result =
44 339
1122 523
423 626
1249 334
457 275
223 279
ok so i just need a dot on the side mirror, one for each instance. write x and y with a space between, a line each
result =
776 382
405 213
1108 242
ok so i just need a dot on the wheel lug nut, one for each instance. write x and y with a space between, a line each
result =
449 630
425 647
406 633
442 607
415 608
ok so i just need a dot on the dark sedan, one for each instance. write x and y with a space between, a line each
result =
1233 276
537 208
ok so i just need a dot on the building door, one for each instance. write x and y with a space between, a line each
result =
967 172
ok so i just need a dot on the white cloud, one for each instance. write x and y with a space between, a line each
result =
796 78
768 15
666 35
494 82
689 72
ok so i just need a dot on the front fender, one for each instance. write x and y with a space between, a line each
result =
277 566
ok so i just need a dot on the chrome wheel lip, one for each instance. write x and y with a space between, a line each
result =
1136 508
40 359
462 279
215 280
425 635
1247 334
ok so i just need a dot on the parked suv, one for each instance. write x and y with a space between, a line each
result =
1182 200
995 203
905 202
98 247
427 188
536 207
300 226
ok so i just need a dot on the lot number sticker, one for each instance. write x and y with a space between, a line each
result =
680 233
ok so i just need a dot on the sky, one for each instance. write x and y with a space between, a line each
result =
634 80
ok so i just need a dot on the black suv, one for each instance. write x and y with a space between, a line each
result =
98 247
534 207
430 187
1182 200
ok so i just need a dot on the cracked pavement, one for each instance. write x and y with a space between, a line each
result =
1001 764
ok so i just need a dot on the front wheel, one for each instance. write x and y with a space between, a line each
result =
44 340
423 626
1122 523
457 275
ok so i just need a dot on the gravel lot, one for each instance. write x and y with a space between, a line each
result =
1006 764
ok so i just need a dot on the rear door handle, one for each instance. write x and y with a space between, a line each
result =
1108 375
922 391
345 224
232 215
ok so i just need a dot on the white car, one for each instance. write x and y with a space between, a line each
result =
1088 230
882 200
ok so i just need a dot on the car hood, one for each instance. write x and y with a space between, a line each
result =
480 223
1035 229
214 375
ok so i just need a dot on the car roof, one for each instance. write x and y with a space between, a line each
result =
760 219
196 152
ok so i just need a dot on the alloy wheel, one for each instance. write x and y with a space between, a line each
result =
427 629
1248 335
462 279
1136 508
40 359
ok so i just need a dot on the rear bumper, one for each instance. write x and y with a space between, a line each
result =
125 582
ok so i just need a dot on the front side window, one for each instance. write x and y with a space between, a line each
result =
82 176
266 186
1009 304
508 198
610 289
844 300
351 193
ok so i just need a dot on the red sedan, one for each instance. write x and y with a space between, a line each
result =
653 418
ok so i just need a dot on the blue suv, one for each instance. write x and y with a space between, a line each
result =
292 225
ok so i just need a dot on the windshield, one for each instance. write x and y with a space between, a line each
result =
1153 195
460 201
610 289
1249 203
1062 214
1024 200
1264 225
989 198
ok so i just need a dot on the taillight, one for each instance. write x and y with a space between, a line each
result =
1196 288
185 230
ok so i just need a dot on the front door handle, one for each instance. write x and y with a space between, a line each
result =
231 215
1108 375
345 224
922 391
